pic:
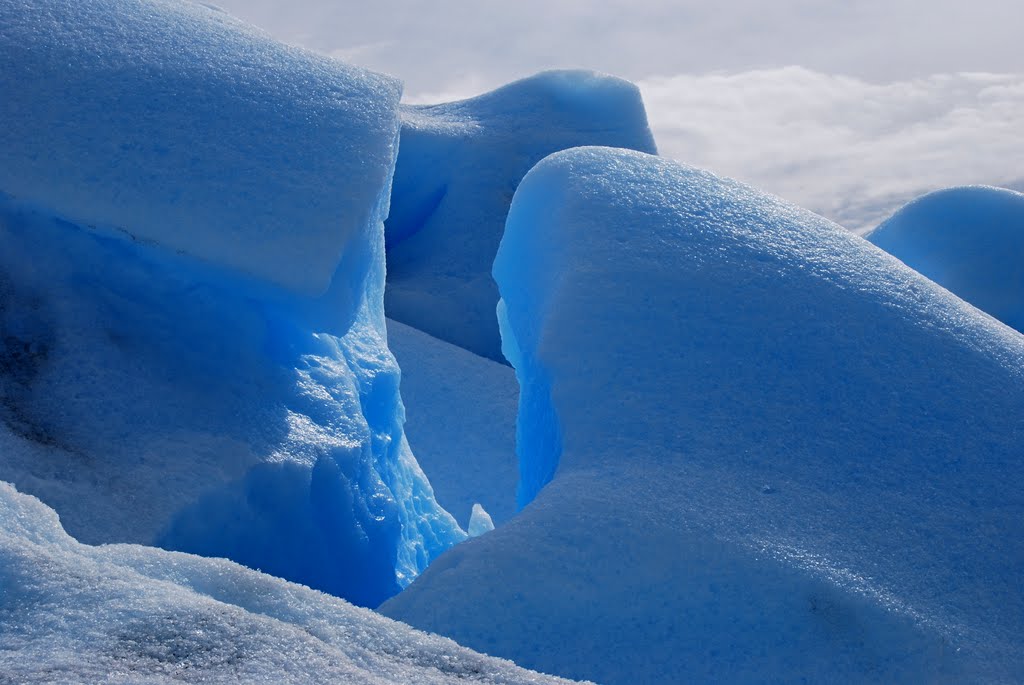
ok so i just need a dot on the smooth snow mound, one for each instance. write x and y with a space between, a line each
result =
174 123
969 240
458 167
775 453
132 614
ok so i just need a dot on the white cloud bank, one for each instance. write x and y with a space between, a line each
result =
846 148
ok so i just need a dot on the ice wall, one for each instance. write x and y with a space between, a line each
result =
777 453
192 341
969 240
459 165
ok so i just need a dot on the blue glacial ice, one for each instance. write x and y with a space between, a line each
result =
459 165
969 240
131 614
192 340
772 452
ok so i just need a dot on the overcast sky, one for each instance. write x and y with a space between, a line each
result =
849 108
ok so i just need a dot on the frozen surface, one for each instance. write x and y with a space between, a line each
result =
176 124
459 165
778 453
183 381
480 522
132 614
460 421
969 240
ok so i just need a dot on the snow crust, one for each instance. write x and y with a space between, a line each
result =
175 382
459 165
775 453
969 240
132 614
174 123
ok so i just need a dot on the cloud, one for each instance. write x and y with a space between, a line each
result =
851 150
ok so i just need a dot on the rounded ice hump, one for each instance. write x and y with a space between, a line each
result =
176 124
969 240
683 340
458 167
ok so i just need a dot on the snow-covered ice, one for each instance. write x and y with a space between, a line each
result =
181 380
969 240
132 614
459 165
777 452
177 124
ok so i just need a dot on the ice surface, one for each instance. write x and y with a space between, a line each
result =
459 165
778 453
479 522
157 383
460 421
177 124
132 614
969 240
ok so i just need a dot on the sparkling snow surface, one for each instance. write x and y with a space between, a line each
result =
969 240
778 453
174 123
459 165
132 614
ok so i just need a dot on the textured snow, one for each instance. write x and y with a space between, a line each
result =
175 123
777 453
132 614
460 421
969 240
152 397
459 165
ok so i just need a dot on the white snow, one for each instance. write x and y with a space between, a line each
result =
175 123
459 165
132 614
778 454
969 240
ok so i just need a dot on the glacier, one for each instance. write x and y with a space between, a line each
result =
192 338
459 164
753 448
969 240
132 614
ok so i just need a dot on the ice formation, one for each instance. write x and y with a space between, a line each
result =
479 522
776 453
969 240
192 338
132 614
459 165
